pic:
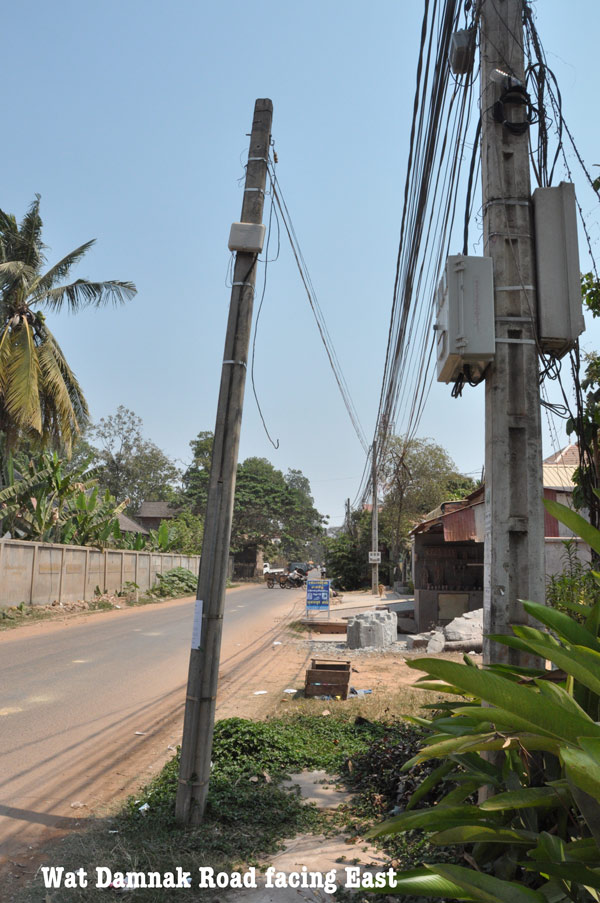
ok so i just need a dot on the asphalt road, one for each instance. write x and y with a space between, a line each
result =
89 704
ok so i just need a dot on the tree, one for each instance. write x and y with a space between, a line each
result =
40 396
418 475
195 478
347 553
586 421
130 466
270 513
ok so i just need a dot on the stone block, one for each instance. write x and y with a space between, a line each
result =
437 642
372 628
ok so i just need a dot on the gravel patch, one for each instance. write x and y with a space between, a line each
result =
330 649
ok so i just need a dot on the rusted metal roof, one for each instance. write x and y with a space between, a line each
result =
460 525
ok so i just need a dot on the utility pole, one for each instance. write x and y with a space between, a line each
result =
514 521
375 526
203 674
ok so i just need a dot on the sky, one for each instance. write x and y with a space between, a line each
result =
130 119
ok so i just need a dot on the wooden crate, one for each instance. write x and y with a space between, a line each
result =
328 678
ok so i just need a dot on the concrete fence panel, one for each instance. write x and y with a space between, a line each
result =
41 573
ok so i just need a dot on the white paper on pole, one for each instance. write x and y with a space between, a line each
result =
197 628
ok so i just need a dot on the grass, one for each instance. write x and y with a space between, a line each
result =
248 816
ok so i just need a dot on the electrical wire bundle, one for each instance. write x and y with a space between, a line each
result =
442 117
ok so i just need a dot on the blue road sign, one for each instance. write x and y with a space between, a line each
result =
317 595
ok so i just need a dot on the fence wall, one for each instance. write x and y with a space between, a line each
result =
40 573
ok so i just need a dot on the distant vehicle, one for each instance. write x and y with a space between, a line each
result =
302 566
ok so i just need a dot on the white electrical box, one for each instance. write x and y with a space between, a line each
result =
560 315
248 237
466 338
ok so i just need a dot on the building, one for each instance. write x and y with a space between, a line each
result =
448 546
151 514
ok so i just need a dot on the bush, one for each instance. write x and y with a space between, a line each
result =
176 582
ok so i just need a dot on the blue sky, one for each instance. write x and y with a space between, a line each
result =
130 119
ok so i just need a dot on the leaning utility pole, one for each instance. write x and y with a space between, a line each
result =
375 526
203 675
514 522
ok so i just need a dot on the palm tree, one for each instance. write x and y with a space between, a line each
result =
40 397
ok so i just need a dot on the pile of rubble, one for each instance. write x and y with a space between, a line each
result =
463 634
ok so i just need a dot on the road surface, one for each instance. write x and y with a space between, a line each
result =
91 704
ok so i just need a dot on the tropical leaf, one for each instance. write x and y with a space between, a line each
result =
563 625
21 393
528 797
432 819
83 293
426 883
575 522
483 834
486 887
545 714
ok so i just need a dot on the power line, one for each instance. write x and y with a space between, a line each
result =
316 308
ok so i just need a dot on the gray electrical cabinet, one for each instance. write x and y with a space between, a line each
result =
466 339
560 315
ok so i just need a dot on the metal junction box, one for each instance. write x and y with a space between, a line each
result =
560 315
466 339
248 237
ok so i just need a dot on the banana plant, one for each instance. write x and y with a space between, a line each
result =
531 738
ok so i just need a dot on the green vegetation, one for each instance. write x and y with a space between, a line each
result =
46 501
532 738
248 816
417 476
40 397
175 583
128 465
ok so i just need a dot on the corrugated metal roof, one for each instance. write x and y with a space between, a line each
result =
127 525
558 476
460 525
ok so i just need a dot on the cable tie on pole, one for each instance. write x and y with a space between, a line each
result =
251 284
262 190
242 364
251 159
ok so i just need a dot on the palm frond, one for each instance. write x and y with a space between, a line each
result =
75 391
58 414
30 234
82 293
60 270
9 234
15 269
21 395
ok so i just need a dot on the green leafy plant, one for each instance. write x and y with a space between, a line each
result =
176 582
529 738
48 502
575 589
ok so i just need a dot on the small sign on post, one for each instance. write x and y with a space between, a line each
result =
317 595
374 557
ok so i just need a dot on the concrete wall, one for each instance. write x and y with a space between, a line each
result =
40 573
556 558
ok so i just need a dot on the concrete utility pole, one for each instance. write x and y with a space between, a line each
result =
208 624
375 526
514 521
